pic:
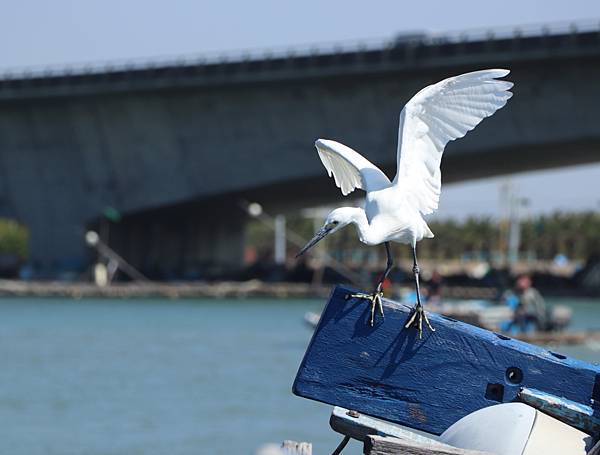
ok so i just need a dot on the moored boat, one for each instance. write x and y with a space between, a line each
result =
496 317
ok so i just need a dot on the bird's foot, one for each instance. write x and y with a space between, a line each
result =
375 299
416 320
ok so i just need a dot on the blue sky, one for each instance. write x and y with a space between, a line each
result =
62 31
39 33
575 188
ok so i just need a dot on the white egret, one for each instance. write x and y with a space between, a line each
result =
393 211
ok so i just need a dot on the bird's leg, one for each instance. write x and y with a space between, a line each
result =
377 295
418 313
374 298
388 268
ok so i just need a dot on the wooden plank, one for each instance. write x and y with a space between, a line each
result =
359 426
286 448
386 445
386 371
296 448
595 450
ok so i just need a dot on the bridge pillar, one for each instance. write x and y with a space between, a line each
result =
57 247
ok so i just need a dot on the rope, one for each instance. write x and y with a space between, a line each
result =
340 447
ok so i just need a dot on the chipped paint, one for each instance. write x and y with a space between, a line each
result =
575 414
416 412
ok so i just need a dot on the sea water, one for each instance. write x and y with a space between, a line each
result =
166 376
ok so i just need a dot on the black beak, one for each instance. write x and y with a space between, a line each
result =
316 239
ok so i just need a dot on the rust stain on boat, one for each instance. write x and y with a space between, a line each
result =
416 412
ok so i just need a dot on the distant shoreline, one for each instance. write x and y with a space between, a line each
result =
221 289
171 290
175 290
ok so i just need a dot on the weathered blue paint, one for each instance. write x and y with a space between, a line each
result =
575 414
386 371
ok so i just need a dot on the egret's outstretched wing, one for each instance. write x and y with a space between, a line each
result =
349 168
435 116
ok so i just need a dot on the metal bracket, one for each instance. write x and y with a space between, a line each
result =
570 412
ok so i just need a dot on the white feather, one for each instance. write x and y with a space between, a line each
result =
350 169
435 116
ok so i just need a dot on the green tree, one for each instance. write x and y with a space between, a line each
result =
14 238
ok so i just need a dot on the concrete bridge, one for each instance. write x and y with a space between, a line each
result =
176 146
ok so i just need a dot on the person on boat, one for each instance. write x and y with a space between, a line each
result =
530 308
435 287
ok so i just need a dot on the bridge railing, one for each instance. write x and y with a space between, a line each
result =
419 37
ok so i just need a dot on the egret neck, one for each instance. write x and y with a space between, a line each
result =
357 216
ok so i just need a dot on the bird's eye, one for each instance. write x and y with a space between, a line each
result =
335 222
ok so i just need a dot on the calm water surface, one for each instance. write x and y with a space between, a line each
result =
164 377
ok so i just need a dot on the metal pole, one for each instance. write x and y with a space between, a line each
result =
94 240
514 231
280 239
